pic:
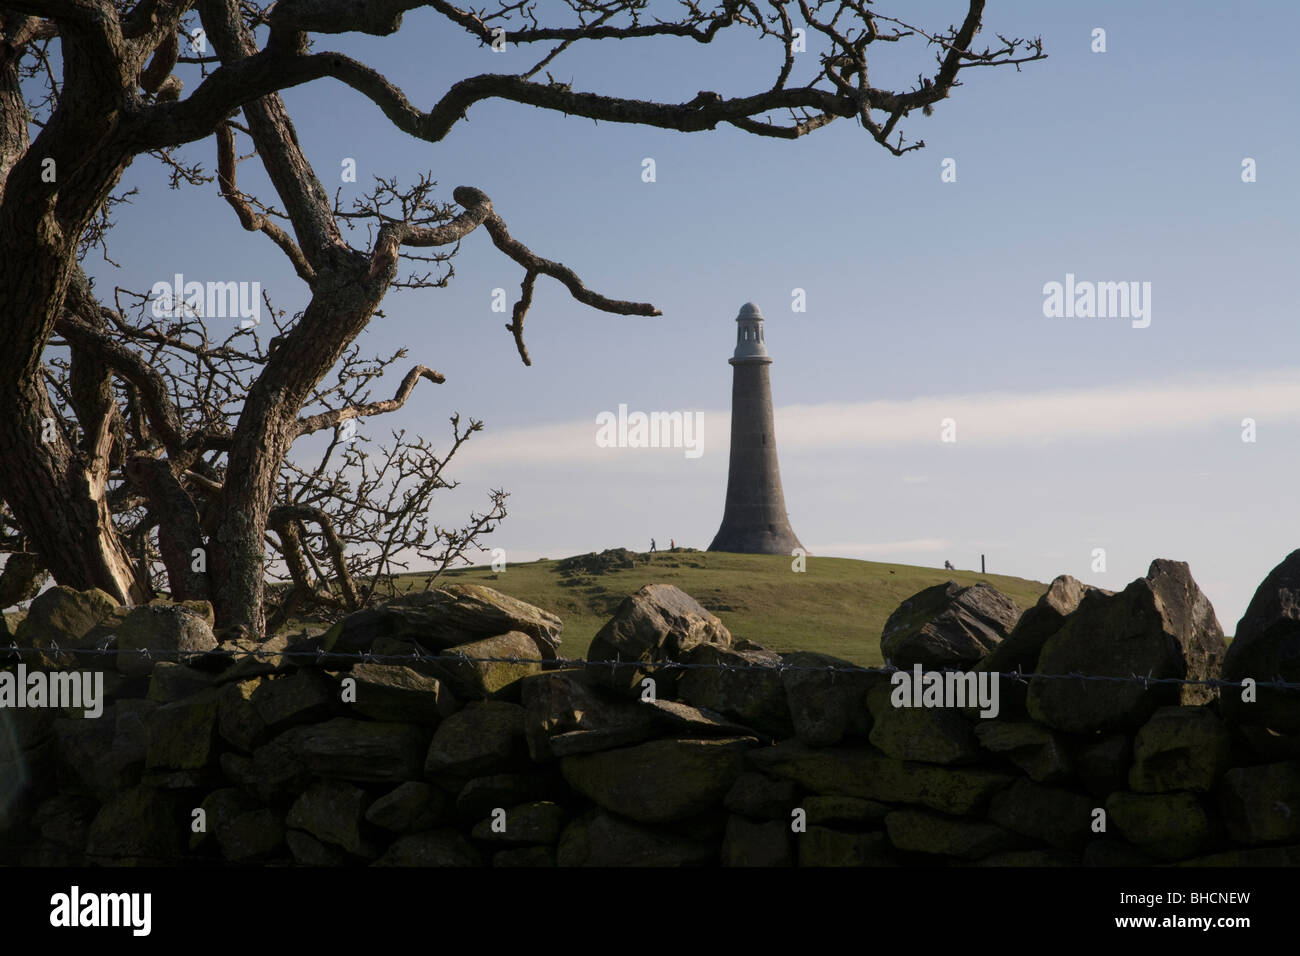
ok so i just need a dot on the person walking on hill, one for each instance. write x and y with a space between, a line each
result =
652 545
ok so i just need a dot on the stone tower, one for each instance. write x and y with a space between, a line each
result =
754 521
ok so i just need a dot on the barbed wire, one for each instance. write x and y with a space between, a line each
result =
323 658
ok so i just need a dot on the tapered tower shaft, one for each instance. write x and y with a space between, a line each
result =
754 520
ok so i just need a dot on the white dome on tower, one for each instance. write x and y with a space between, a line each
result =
749 334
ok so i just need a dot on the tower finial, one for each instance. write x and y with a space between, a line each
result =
749 335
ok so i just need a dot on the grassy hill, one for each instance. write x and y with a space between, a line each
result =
838 606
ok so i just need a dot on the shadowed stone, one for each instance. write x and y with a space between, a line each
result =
1046 814
927 734
432 848
919 831
1102 762
482 794
1020 650
302 698
1180 748
360 750
755 696
822 846
760 797
396 693
69 618
492 673
446 617
410 807
525 856
1262 804
254 835
198 607
1033 748
658 622
833 809
1263 856
131 732
85 748
1267 745
65 819
237 719
826 705
183 734
165 632
1170 826
870 774
756 844
948 625
1159 626
659 781
484 737
536 822
566 715
1022 646
137 827
1029 858
331 811
256 658
219 808
1265 647
171 681
308 851
598 838
563 702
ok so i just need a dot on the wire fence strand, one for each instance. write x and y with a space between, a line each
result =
325 658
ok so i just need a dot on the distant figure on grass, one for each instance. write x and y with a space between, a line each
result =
948 566
652 544
672 544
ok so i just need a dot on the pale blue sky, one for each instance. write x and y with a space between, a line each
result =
924 299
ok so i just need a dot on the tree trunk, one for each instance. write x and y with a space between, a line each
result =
59 506
55 492
340 307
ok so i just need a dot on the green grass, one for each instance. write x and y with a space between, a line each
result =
838 606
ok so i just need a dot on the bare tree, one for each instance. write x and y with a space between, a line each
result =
357 513
66 139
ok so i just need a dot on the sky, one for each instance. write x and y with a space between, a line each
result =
924 299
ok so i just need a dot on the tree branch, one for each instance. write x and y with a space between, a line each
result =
179 534
252 221
283 515
314 423
131 366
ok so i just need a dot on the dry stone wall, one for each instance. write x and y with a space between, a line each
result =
302 751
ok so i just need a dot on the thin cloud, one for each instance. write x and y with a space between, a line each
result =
988 418
1009 417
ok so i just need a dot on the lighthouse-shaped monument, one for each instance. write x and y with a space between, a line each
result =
754 521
